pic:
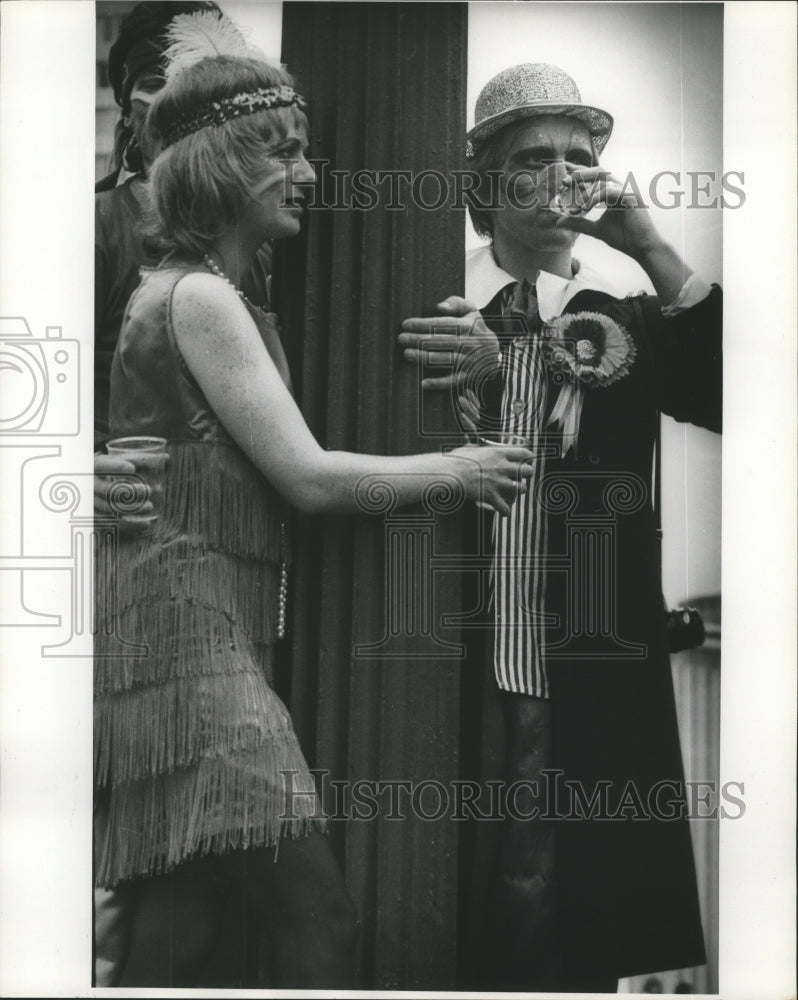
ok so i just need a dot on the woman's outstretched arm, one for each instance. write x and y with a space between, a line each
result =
223 350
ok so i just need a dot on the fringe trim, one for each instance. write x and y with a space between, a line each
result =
218 544
221 805
195 641
153 731
242 588
214 493
190 738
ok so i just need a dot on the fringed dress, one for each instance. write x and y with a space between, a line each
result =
194 752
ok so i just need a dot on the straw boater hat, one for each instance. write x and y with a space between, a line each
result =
529 90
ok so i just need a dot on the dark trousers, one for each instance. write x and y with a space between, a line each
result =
526 950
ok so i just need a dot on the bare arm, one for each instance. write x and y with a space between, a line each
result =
222 348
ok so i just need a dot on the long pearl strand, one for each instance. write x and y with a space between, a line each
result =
282 599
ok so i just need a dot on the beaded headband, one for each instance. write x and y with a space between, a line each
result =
219 112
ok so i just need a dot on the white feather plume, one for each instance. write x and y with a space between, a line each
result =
204 35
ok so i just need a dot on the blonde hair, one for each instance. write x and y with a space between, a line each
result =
202 183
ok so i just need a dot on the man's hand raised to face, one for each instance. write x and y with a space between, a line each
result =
626 225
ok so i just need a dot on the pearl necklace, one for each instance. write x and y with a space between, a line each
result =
215 269
282 600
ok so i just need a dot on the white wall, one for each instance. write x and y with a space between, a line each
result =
262 20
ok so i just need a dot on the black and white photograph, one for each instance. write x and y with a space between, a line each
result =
362 571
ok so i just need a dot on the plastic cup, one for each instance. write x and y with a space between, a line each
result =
148 456
503 440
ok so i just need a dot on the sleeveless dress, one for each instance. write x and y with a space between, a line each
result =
194 753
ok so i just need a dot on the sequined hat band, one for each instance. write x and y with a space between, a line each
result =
219 112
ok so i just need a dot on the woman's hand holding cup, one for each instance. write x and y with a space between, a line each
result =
495 473
139 463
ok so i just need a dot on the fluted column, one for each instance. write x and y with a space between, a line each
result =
375 679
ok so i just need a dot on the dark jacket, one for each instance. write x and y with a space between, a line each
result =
626 885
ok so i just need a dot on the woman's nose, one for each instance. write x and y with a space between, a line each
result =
306 173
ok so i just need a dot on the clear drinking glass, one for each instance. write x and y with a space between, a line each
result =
504 439
148 456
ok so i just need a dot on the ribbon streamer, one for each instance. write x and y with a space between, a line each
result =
567 413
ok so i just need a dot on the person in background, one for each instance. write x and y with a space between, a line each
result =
136 74
550 353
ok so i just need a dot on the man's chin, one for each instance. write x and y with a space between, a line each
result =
551 237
